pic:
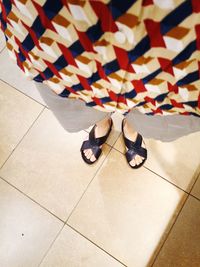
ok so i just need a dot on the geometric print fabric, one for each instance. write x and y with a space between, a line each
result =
113 55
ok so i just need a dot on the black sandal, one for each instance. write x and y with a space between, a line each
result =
134 148
94 144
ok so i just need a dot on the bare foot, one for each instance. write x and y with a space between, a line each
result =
101 129
131 135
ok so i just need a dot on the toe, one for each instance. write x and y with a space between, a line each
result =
88 155
138 160
92 158
132 162
85 151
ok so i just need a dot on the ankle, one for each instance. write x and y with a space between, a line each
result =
104 123
128 128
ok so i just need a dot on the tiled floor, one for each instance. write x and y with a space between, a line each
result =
55 211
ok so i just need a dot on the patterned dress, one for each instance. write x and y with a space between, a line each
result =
114 55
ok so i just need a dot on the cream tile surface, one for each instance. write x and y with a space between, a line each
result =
182 247
47 165
73 250
196 189
11 73
2 41
127 212
17 113
26 229
177 161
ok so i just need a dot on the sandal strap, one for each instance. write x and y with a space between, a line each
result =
131 153
100 140
96 150
132 145
134 148
94 143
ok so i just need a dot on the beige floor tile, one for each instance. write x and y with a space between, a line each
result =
196 189
127 212
47 165
17 113
11 73
73 250
2 41
26 229
182 247
177 161
114 135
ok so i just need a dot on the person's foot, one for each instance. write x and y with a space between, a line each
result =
131 134
101 129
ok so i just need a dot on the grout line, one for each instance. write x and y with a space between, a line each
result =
1 178
15 88
20 90
194 197
98 169
188 193
64 222
170 230
116 140
187 196
197 176
22 137
95 244
29 196
90 241
197 198
47 251
183 205
159 175
166 180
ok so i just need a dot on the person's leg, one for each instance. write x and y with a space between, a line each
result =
74 115
131 134
101 129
